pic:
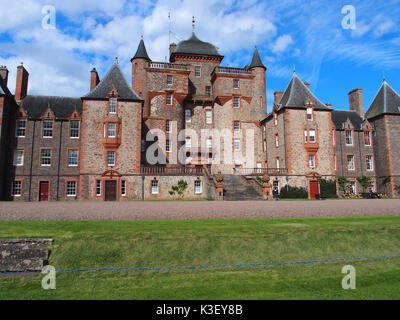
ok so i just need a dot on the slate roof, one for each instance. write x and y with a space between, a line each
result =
194 45
339 117
3 88
62 107
256 61
114 78
297 94
386 101
141 52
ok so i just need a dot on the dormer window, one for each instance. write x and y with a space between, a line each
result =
367 138
112 105
349 137
309 114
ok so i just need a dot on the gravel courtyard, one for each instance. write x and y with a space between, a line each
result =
88 210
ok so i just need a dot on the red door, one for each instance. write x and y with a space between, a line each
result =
313 189
111 190
44 191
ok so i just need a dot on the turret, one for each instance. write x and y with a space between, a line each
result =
258 69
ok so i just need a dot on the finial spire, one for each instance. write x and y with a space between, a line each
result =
383 74
116 60
294 68
193 25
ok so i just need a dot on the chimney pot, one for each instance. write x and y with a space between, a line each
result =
21 88
356 102
172 47
94 79
278 96
4 74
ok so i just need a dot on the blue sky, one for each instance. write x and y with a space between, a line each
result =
307 34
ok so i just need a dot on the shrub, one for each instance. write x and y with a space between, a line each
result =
328 188
293 193
178 189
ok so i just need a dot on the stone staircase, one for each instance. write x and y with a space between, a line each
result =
236 190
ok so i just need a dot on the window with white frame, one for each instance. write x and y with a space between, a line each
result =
18 157
350 163
276 140
353 187
335 161
16 188
72 158
71 188
188 142
98 187
349 137
198 187
309 114
169 98
208 91
259 165
154 187
236 126
370 163
312 136
111 130
45 157
168 126
237 144
277 162
367 138
305 136
235 84
47 128
20 130
311 161
188 115
112 105
123 188
74 129
275 119
236 102
209 116
110 158
197 71
333 137
169 80
167 145
371 187
209 143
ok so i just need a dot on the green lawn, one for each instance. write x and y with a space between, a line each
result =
80 244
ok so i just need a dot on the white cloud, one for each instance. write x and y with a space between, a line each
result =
282 43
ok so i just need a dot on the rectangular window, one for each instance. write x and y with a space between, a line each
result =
197 71
74 129
47 128
71 188
208 116
168 126
19 158
236 102
370 163
311 161
20 131
309 114
72 158
259 165
208 91
16 188
367 138
236 126
154 187
275 119
333 137
168 145
237 145
198 187
188 115
277 163
312 136
276 141
305 136
188 143
235 84
169 98
350 163
112 105
349 137
371 186
335 161
209 143
123 188
98 187
353 187
45 157
169 80
111 130
110 158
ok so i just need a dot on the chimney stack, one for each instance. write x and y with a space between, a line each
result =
172 47
329 105
21 88
94 79
307 85
356 101
4 74
278 96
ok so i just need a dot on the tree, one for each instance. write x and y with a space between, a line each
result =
364 181
342 184
179 189
385 181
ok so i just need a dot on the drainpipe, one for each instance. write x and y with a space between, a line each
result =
32 157
142 188
59 160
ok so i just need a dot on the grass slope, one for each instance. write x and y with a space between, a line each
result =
81 244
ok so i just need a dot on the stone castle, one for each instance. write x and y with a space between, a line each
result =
191 119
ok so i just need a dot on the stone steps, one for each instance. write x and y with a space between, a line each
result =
236 190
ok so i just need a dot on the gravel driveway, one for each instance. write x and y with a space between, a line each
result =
90 210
